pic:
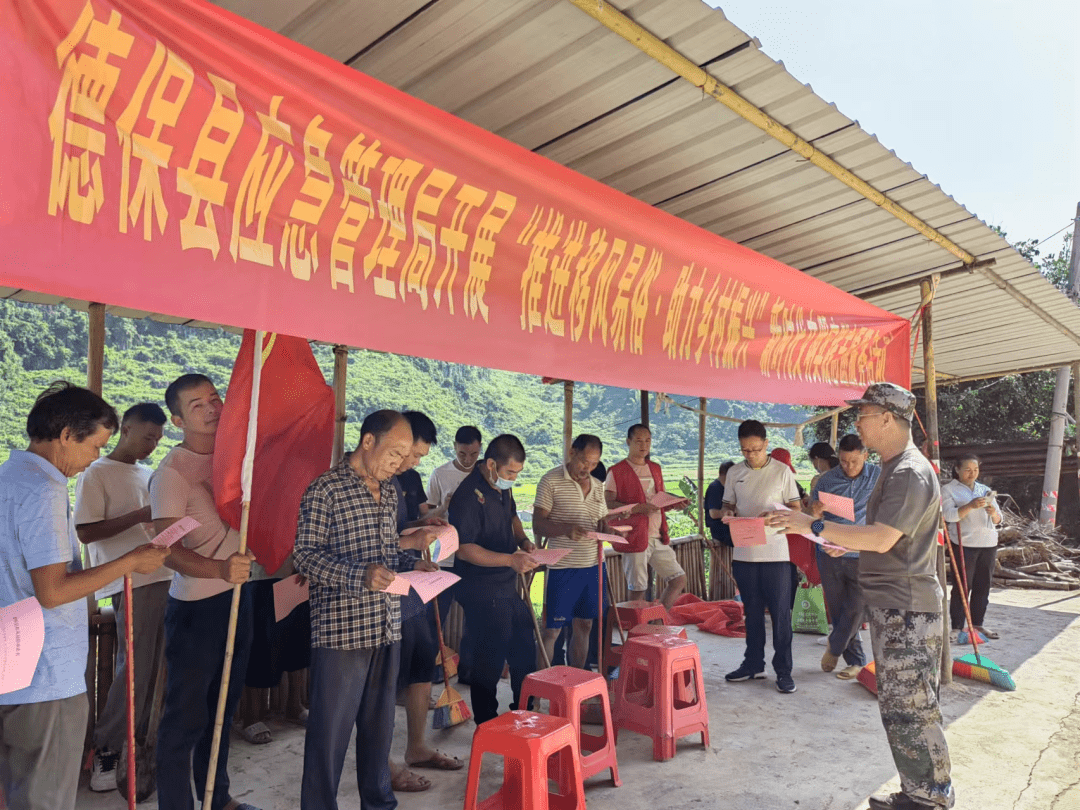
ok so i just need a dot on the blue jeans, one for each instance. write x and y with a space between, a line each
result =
194 654
350 688
766 585
844 599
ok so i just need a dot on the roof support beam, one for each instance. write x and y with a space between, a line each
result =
610 17
654 47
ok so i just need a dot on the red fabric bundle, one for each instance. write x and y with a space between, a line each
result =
723 618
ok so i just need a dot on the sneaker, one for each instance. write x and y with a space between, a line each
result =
103 776
896 801
785 684
743 673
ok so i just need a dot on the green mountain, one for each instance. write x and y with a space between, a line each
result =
39 344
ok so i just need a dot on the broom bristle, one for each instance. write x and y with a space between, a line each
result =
448 660
987 672
450 710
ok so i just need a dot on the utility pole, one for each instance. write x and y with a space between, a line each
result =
1052 475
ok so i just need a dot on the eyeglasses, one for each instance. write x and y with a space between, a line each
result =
860 416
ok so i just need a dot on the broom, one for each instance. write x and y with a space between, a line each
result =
974 666
450 708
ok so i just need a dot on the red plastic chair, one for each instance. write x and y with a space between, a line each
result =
638 611
652 697
663 630
527 741
566 689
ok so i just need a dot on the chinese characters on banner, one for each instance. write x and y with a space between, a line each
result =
248 181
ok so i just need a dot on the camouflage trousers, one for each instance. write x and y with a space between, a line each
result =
907 656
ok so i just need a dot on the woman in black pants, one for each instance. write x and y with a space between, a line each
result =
971 515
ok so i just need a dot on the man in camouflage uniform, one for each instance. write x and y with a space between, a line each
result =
898 575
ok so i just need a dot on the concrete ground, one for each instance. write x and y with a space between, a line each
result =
821 748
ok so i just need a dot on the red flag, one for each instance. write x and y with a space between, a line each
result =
293 445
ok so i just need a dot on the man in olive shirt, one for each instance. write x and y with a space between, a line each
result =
898 574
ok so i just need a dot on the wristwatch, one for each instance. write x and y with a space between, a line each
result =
817 527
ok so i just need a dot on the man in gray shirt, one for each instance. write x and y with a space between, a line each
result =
898 574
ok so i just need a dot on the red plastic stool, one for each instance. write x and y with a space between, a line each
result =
566 689
647 696
526 741
662 630
631 614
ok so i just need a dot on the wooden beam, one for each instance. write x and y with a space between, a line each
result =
645 408
341 370
95 350
568 417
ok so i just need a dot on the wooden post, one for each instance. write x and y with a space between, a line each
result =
1052 472
568 417
933 450
702 406
834 430
341 371
645 408
95 350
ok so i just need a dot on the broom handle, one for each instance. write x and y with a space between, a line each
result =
129 653
438 630
536 625
963 589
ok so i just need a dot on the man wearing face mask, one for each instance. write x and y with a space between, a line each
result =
493 551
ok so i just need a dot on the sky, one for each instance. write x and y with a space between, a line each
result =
981 96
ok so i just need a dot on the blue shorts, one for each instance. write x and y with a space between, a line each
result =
571 594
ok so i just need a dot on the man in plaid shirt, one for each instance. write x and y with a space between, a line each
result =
348 547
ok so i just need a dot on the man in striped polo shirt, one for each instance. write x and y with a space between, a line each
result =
570 503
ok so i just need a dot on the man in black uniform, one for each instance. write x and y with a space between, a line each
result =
493 551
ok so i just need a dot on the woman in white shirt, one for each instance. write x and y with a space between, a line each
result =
971 516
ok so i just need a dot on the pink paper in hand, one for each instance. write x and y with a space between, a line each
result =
549 556
429 584
176 531
289 594
666 499
446 540
626 507
746 531
398 585
22 635
614 539
838 505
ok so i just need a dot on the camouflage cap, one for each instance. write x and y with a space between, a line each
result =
891 397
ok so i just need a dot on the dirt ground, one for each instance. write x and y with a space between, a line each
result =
822 748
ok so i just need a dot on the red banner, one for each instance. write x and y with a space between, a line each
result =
172 157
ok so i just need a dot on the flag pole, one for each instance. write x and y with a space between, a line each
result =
245 508
129 657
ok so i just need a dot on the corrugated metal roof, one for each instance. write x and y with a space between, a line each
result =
547 76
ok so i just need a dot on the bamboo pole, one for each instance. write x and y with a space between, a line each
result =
702 403
568 417
341 371
129 653
95 350
645 408
95 366
933 449
834 430
234 611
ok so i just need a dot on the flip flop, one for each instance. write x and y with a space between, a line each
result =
988 633
257 734
849 673
439 762
405 781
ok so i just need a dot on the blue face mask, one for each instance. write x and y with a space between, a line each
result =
500 482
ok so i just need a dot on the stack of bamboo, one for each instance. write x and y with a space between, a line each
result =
1035 555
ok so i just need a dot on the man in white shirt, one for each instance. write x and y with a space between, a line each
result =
42 726
112 517
763 573
445 478
207 564
570 503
